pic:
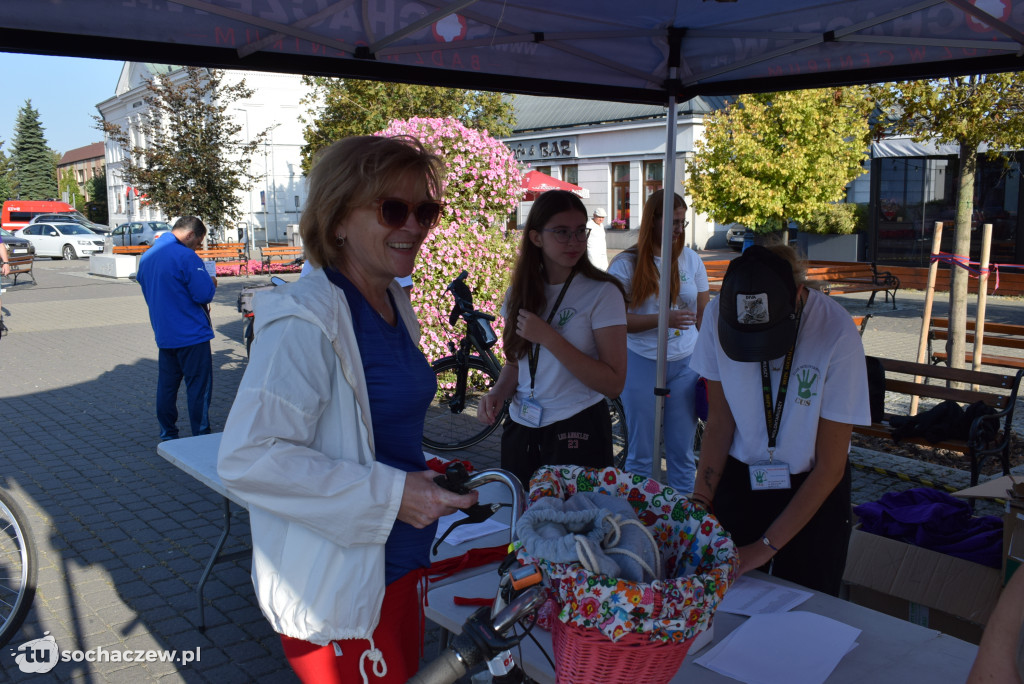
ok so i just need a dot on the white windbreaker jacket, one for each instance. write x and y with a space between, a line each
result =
298 447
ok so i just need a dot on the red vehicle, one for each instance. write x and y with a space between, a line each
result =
18 213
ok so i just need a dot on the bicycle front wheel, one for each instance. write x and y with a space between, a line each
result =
17 568
451 419
620 435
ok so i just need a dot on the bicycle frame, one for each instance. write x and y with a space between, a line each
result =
475 339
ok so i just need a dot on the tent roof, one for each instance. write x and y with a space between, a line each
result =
602 49
541 113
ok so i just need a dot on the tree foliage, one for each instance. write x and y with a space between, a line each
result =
483 187
35 168
770 158
194 161
69 185
6 175
344 107
966 111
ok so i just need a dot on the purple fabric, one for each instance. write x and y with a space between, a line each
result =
935 520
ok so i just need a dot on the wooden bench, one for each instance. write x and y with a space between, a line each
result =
289 253
995 389
225 255
21 264
1002 335
133 250
716 272
842 277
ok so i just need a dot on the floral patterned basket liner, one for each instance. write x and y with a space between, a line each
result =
696 551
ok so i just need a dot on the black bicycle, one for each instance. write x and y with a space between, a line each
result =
464 377
17 568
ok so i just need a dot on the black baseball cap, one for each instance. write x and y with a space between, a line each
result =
757 308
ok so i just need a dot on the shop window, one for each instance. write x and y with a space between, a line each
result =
620 193
652 177
546 170
571 174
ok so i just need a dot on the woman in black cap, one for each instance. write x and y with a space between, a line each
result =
786 383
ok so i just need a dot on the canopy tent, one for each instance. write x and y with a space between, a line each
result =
657 52
535 182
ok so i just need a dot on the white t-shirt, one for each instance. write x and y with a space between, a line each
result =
588 305
597 246
828 380
693 278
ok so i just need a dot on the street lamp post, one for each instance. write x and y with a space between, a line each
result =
246 113
273 182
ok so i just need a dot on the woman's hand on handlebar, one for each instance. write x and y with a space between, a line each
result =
423 501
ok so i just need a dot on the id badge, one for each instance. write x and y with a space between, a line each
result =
530 412
769 475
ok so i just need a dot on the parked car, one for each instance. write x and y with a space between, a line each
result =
734 236
17 246
70 218
139 232
62 240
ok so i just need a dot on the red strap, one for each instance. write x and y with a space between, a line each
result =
463 601
473 558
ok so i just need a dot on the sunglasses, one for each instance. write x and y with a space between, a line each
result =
393 212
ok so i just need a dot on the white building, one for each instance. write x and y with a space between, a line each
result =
277 199
614 150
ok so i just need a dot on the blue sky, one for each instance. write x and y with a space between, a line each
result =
65 91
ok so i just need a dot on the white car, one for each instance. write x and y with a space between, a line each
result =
62 240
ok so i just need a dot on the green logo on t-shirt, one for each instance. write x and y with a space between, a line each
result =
565 315
807 379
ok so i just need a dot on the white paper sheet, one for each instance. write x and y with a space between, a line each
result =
750 596
465 533
782 648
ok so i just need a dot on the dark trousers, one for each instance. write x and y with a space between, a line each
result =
584 439
194 364
816 556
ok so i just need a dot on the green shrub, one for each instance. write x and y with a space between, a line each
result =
836 219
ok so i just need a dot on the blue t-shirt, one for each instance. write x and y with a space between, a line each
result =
176 287
400 385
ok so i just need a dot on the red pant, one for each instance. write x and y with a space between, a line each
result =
399 636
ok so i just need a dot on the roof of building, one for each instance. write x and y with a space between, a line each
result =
93 151
535 113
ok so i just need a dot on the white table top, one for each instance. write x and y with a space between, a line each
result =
197 456
890 650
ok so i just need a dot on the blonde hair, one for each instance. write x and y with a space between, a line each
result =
352 173
645 281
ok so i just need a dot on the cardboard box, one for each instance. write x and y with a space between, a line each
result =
1011 490
925 587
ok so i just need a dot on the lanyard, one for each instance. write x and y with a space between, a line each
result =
773 419
533 352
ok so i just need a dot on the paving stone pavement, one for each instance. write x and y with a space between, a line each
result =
123 536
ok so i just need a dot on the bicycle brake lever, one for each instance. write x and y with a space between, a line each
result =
474 514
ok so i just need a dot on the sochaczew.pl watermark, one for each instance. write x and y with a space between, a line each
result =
42 655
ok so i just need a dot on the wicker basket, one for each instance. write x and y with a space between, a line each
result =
586 655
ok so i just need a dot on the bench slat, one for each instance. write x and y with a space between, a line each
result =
995 340
986 359
967 375
966 396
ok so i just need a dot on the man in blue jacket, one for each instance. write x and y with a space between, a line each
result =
178 290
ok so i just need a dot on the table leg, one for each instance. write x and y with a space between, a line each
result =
214 558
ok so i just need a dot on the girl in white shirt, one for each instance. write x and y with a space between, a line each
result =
565 344
639 269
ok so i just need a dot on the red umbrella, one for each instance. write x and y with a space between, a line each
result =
535 182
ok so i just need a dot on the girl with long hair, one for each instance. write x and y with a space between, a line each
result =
565 344
639 269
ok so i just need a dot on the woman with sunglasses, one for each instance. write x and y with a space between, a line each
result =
323 440
639 269
565 344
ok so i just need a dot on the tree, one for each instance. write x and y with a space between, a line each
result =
483 187
770 158
96 208
69 185
966 111
344 107
6 176
194 161
35 170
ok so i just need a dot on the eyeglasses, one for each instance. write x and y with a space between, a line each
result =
680 223
393 212
563 236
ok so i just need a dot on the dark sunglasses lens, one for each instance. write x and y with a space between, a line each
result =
393 213
427 214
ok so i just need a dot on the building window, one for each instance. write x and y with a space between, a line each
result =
652 177
620 192
546 170
571 174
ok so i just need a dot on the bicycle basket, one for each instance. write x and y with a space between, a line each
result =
699 560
